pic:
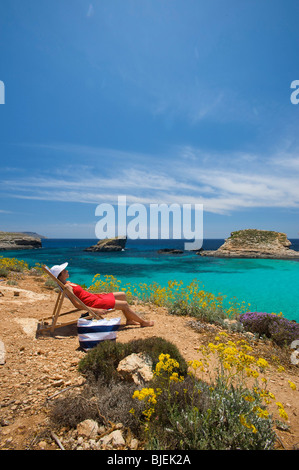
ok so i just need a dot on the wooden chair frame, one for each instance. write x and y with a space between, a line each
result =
44 326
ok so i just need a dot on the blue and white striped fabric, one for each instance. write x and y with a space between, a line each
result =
92 332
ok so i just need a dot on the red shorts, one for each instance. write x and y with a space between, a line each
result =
104 301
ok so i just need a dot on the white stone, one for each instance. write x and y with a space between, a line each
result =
2 353
88 428
114 439
136 367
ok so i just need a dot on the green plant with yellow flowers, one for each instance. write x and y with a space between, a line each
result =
227 411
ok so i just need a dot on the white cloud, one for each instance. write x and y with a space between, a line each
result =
222 185
291 163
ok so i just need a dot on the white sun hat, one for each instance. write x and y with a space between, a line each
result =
58 268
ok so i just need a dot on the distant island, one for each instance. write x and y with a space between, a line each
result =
19 241
109 244
34 234
253 243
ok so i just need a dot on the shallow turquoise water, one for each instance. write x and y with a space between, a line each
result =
268 285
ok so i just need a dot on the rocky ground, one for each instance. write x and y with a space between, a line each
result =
35 371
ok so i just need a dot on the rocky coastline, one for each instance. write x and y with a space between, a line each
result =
253 243
19 241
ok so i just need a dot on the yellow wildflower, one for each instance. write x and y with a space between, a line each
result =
292 385
195 364
148 413
175 377
262 363
251 372
243 420
283 414
262 413
249 398
246 424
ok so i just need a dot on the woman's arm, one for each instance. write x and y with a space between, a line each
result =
98 311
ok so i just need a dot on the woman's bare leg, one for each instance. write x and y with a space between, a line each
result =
120 295
132 317
122 304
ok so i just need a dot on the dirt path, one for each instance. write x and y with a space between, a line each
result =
35 369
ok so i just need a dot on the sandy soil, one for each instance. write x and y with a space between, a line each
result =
36 368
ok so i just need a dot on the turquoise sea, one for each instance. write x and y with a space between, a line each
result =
269 285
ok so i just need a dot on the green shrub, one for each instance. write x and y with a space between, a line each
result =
207 313
50 283
103 360
12 283
176 409
192 415
188 413
13 264
3 271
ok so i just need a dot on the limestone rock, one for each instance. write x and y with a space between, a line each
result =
114 439
137 368
134 444
109 244
18 241
252 243
88 428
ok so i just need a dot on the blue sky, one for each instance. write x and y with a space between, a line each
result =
173 101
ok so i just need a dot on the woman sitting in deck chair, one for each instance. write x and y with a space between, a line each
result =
99 303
